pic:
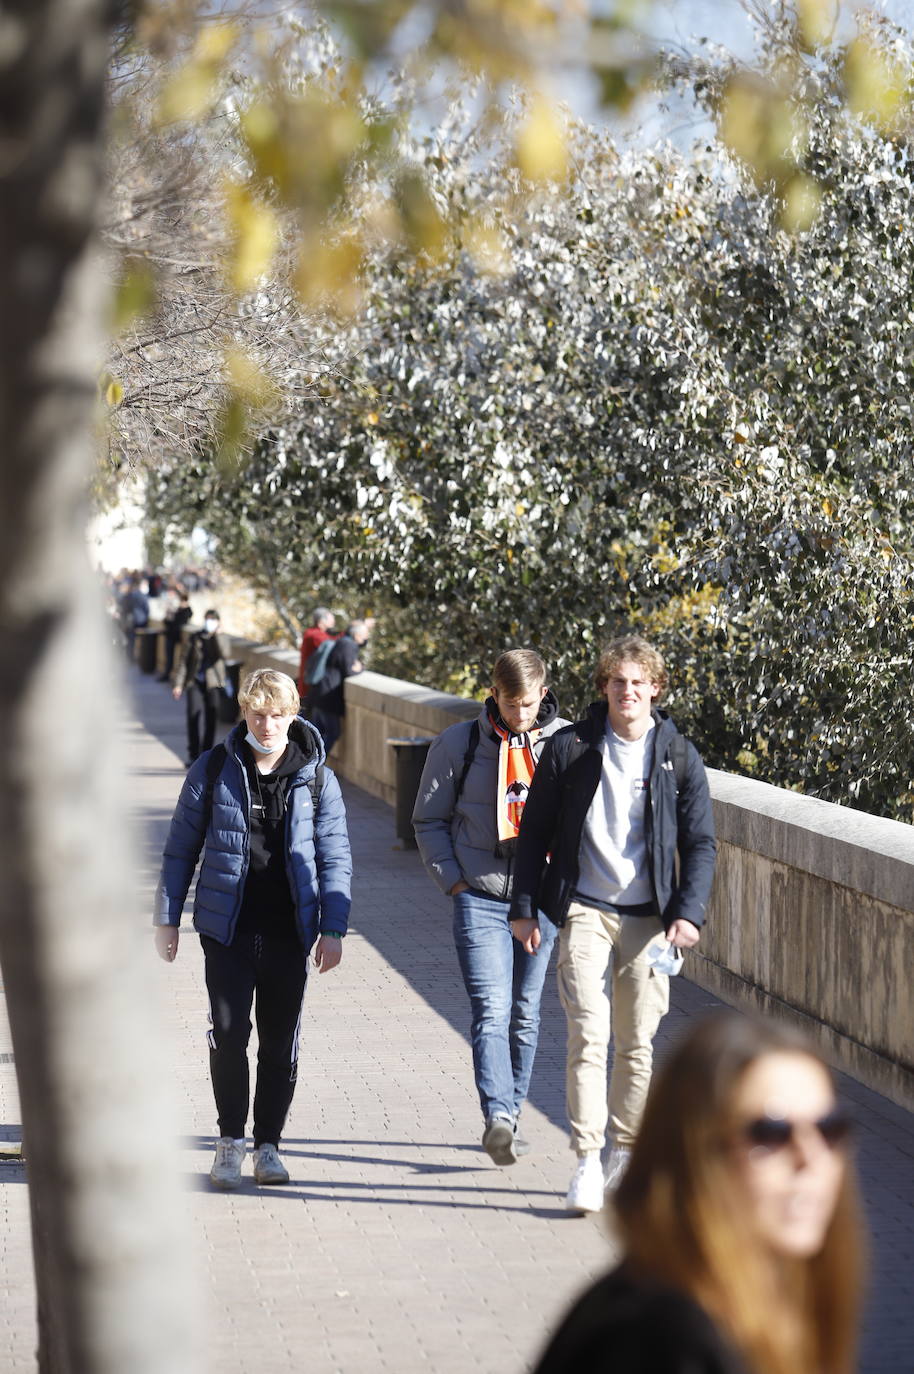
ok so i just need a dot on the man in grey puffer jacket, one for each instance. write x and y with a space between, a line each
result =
467 813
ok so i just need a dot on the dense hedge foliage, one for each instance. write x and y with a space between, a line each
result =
661 411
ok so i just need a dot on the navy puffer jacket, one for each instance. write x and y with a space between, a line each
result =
318 861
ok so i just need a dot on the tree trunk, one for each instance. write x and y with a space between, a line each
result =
113 1294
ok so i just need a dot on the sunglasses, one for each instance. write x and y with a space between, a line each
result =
773 1133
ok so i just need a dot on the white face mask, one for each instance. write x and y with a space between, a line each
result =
259 748
211 626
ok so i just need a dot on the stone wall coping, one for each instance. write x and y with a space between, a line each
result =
867 853
408 702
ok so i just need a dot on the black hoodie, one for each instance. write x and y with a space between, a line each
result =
266 905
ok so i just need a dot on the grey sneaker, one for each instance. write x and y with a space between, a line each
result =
268 1167
498 1140
226 1170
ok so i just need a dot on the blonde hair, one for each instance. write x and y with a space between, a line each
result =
264 687
683 1217
634 649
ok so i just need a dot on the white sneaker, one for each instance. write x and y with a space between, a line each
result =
586 1191
616 1166
226 1170
268 1167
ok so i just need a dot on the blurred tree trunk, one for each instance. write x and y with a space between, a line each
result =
109 1258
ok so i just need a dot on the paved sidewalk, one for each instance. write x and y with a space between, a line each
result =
398 1246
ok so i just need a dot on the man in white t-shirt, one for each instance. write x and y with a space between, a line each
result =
616 798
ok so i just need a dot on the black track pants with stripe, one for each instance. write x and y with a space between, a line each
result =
268 974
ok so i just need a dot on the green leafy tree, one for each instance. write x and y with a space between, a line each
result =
658 409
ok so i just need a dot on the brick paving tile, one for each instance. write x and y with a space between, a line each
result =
398 1245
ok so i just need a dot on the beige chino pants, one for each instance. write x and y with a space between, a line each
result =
640 999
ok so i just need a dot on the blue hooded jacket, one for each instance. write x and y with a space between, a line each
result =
318 860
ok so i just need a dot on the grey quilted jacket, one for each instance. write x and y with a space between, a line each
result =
458 836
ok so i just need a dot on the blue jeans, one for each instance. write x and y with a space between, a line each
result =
505 985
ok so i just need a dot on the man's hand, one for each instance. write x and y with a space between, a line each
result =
683 934
459 886
166 942
527 933
328 952
176 693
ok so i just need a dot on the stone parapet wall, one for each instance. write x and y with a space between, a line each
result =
812 916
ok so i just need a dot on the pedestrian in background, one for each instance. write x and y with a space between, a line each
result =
275 877
134 612
177 614
738 1217
326 697
321 628
201 675
466 818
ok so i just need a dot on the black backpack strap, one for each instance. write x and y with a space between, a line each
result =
472 745
215 761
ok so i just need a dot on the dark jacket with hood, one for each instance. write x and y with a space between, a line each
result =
205 654
218 821
458 835
677 820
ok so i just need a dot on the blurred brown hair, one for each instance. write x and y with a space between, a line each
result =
684 1221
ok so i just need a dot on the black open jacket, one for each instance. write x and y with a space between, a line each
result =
623 1325
677 820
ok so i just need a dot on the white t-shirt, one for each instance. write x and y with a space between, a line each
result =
614 864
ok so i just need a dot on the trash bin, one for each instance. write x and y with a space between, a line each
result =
409 760
147 650
228 702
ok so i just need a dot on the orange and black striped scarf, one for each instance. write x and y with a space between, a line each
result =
516 762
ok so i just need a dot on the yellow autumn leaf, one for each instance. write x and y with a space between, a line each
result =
114 393
800 205
249 383
135 294
328 274
539 147
875 83
187 95
255 234
828 508
816 20
215 42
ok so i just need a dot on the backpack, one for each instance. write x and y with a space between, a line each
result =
215 760
316 667
472 743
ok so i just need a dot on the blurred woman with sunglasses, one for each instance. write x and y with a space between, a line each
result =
738 1220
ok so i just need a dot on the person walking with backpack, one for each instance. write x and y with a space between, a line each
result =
617 801
326 675
318 632
617 797
274 882
466 818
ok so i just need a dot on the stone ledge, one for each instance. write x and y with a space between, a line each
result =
863 852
